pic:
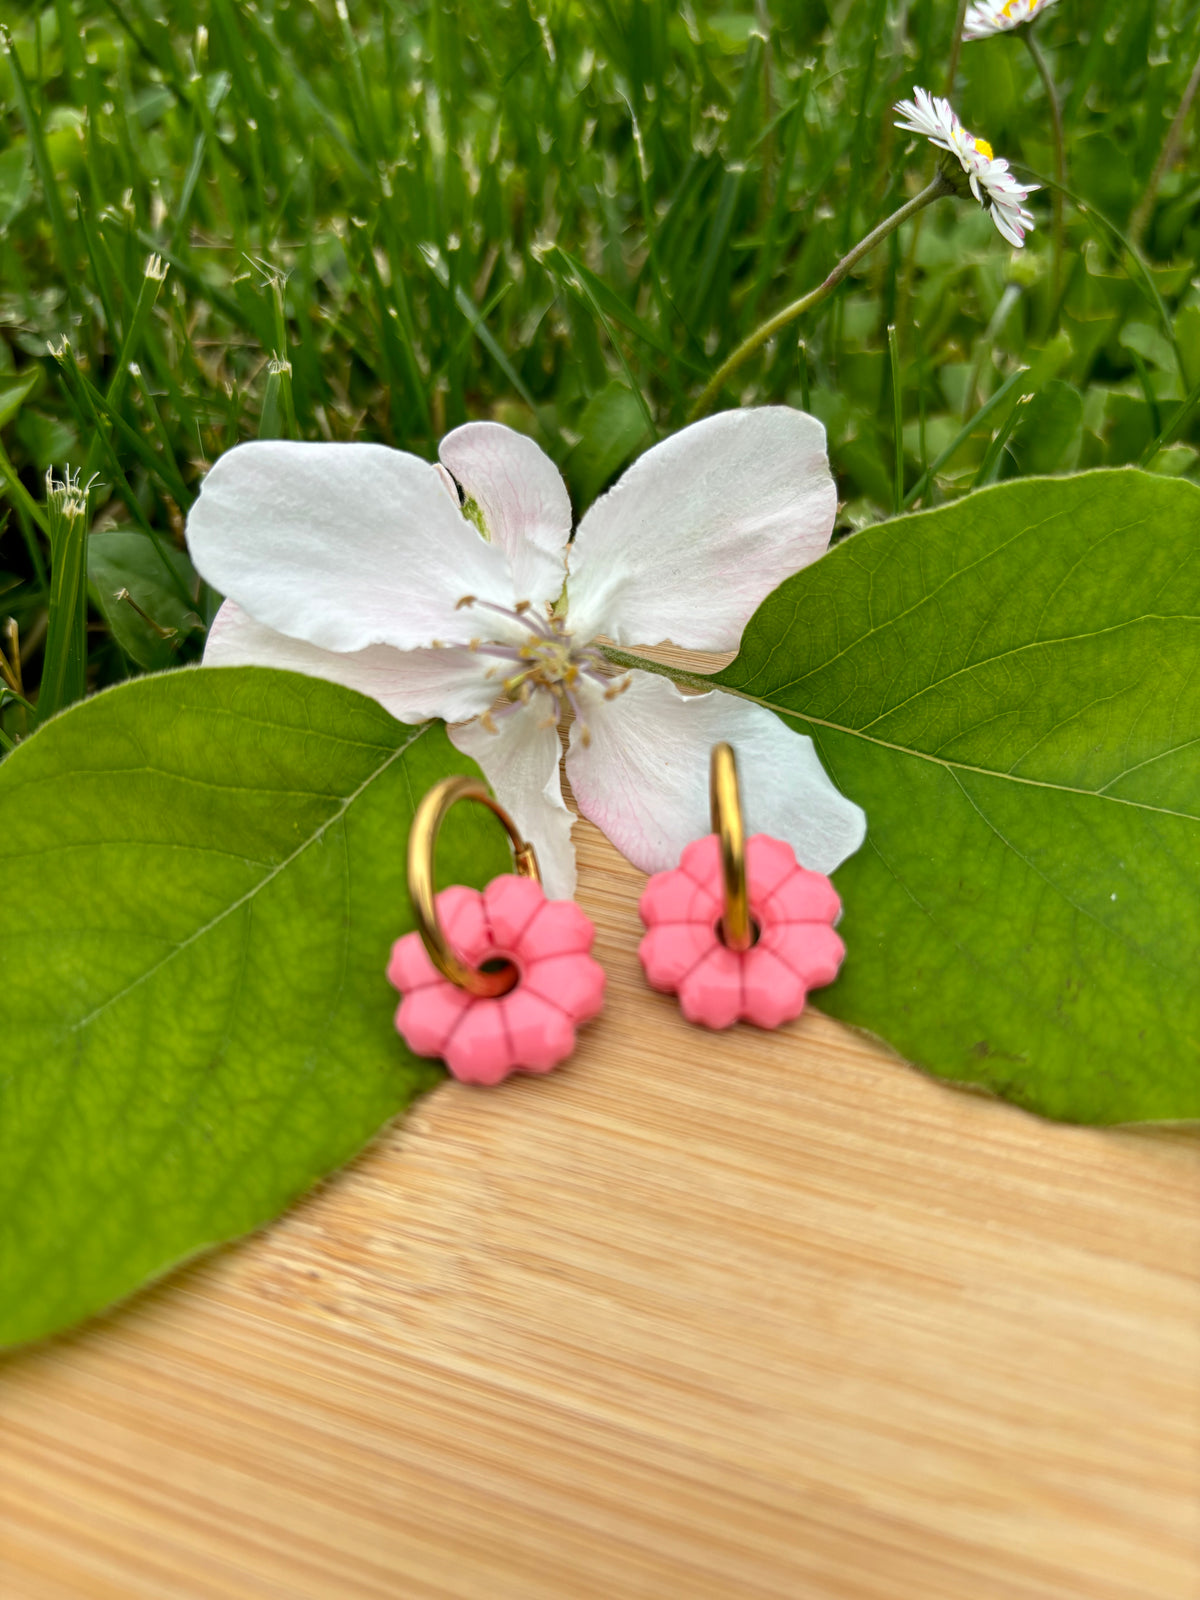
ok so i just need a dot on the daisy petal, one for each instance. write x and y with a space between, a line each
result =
643 777
410 684
520 761
701 529
345 545
521 498
931 117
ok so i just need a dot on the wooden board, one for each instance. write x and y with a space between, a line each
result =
742 1316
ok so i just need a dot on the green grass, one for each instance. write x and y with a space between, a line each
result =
381 219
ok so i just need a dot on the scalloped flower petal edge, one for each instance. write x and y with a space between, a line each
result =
531 1028
796 950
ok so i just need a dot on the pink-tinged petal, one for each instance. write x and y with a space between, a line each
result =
460 912
343 545
410 967
676 897
521 498
428 1017
769 862
541 1035
520 761
410 684
701 528
575 983
561 928
811 949
802 897
448 483
671 950
511 904
643 777
711 994
772 994
479 1050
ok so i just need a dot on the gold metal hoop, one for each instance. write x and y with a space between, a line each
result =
725 803
422 843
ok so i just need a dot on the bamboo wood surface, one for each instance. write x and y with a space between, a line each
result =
742 1316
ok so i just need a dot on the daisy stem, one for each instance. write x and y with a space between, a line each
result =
956 44
955 49
772 326
1166 159
1060 170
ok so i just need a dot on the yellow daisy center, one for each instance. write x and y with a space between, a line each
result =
984 149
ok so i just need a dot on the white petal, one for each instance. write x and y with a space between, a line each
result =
643 778
984 19
933 118
701 529
345 545
410 684
520 761
522 499
1007 226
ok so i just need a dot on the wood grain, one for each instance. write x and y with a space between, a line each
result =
741 1316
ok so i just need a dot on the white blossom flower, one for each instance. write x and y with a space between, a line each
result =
357 563
985 17
990 181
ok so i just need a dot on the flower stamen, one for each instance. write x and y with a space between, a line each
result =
522 613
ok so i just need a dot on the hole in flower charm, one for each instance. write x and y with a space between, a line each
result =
556 985
792 913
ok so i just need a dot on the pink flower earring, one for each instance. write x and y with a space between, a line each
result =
493 983
740 931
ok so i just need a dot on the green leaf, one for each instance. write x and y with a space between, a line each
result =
122 562
612 427
49 441
1010 687
13 395
16 181
203 875
1050 431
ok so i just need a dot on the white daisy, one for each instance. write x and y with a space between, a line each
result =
988 177
986 17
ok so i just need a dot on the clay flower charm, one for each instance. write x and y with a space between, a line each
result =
796 948
440 592
986 17
532 1027
987 176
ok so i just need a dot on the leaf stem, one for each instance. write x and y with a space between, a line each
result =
1060 169
635 663
767 330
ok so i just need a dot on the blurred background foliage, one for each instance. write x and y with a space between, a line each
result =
375 221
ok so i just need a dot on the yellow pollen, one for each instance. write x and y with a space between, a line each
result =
547 664
984 149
